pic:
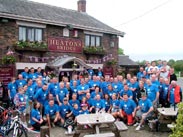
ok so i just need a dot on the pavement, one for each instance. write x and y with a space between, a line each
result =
146 132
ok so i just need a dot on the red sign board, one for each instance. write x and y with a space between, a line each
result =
108 71
65 44
6 73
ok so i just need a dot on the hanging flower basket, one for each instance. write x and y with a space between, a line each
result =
8 59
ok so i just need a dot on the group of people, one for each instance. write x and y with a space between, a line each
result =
132 99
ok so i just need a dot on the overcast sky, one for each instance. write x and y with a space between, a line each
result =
153 28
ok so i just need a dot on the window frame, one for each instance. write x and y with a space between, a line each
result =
95 38
26 33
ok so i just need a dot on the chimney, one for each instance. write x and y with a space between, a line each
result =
82 5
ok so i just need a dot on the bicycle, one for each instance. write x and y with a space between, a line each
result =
18 128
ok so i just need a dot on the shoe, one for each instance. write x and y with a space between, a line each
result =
138 128
52 124
60 125
136 124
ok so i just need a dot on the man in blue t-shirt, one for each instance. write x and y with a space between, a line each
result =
25 73
65 110
52 113
152 93
144 110
127 109
61 93
82 89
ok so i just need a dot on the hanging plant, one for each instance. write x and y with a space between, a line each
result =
8 59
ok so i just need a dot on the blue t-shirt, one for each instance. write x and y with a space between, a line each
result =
110 93
52 88
93 95
62 93
13 89
75 112
30 92
116 87
80 88
93 84
72 102
164 90
84 112
21 82
98 104
64 109
51 110
41 96
35 114
91 72
107 104
100 73
73 90
156 82
145 105
151 92
33 76
25 75
115 105
140 75
128 92
127 106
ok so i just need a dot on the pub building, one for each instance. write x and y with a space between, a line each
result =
55 38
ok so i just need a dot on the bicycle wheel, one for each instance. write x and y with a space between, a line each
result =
20 132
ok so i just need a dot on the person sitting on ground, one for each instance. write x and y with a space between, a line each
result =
65 111
127 109
144 110
36 118
52 113
114 106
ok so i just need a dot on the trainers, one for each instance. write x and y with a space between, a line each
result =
136 124
138 128
53 125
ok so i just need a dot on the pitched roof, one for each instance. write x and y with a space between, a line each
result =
47 14
124 60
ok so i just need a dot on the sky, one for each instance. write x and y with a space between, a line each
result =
153 28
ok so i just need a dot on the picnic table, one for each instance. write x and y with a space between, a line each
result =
94 122
167 115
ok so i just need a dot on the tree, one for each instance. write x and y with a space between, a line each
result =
171 62
120 51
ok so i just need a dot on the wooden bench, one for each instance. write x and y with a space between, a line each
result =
110 134
120 126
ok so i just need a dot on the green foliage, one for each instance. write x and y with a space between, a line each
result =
178 129
141 63
8 59
94 50
111 62
120 51
171 62
32 44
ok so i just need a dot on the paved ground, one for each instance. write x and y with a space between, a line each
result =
60 132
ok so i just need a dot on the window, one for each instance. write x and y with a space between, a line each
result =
87 40
92 40
31 34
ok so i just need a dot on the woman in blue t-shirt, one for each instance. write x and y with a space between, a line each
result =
36 118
